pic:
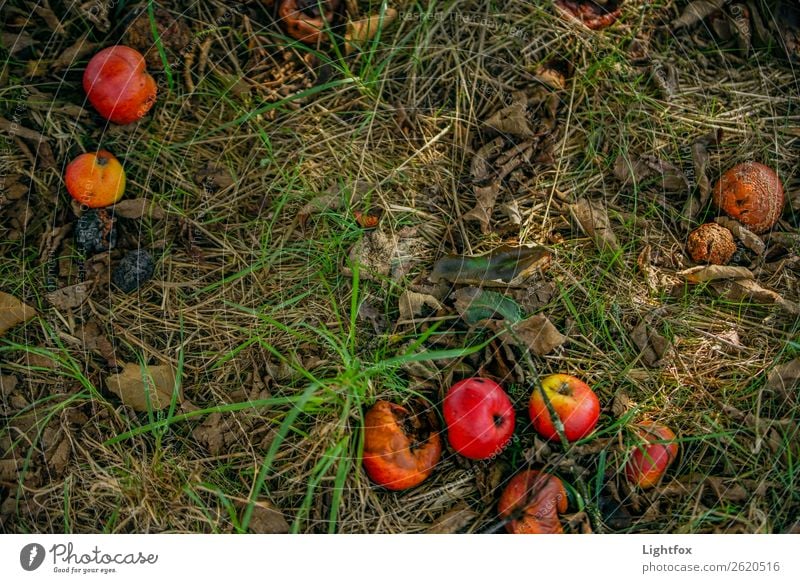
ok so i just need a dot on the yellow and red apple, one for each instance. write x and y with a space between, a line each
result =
575 404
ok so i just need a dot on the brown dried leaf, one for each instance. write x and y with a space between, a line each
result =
70 297
653 346
266 519
750 290
703 273
485 199
453 521
13 312
512 120
137 208
640 168
92 338
748 238
413 304
592 218
7 384
360 31
537 334
621 404
784 378
136 385
696 11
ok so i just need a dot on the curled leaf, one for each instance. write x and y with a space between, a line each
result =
145 387
696 11
503 266
360 31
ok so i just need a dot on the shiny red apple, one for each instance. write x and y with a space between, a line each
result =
650 459
479 417
118 86
575 404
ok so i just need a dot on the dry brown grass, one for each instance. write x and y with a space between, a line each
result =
244 292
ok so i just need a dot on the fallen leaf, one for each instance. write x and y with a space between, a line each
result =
513 119
13 312
621 404
486 194
485 199
266 519
137 208
638 169
145 387
784 378
536 334
474 304
7 384
750 290
92 338
413 304
592 218
703 273
696 11
360 31
504 266
653 346
214 177
453 521
70 297
748 238
380 255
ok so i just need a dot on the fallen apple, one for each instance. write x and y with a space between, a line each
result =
95 179
118 86
400 449
652 456
479 417
575 404
532 502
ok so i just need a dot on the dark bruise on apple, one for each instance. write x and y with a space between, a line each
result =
595 15
653 455
480 418
400 448
532 502
575 404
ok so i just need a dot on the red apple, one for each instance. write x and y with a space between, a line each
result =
650 460
400 449
572 400
118 86
532 502
479 417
